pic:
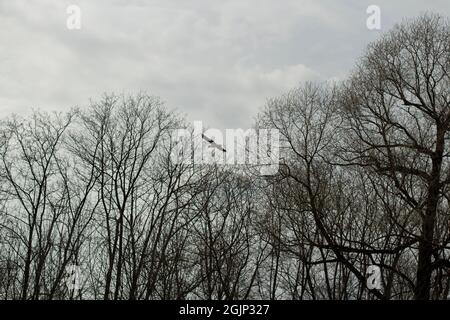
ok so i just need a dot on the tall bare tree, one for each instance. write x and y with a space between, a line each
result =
397 108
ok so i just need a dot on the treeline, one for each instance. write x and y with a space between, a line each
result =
363 180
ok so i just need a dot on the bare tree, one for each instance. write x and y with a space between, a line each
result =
45 212
397 114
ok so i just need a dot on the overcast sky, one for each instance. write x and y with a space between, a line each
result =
215 61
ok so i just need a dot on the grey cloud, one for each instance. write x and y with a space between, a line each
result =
215 61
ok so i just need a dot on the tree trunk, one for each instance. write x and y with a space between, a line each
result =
424 266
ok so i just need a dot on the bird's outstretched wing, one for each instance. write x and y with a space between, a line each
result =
217 146
207 139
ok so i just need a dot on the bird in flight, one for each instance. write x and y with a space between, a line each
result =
213 144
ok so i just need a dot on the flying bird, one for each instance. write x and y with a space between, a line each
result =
213 144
